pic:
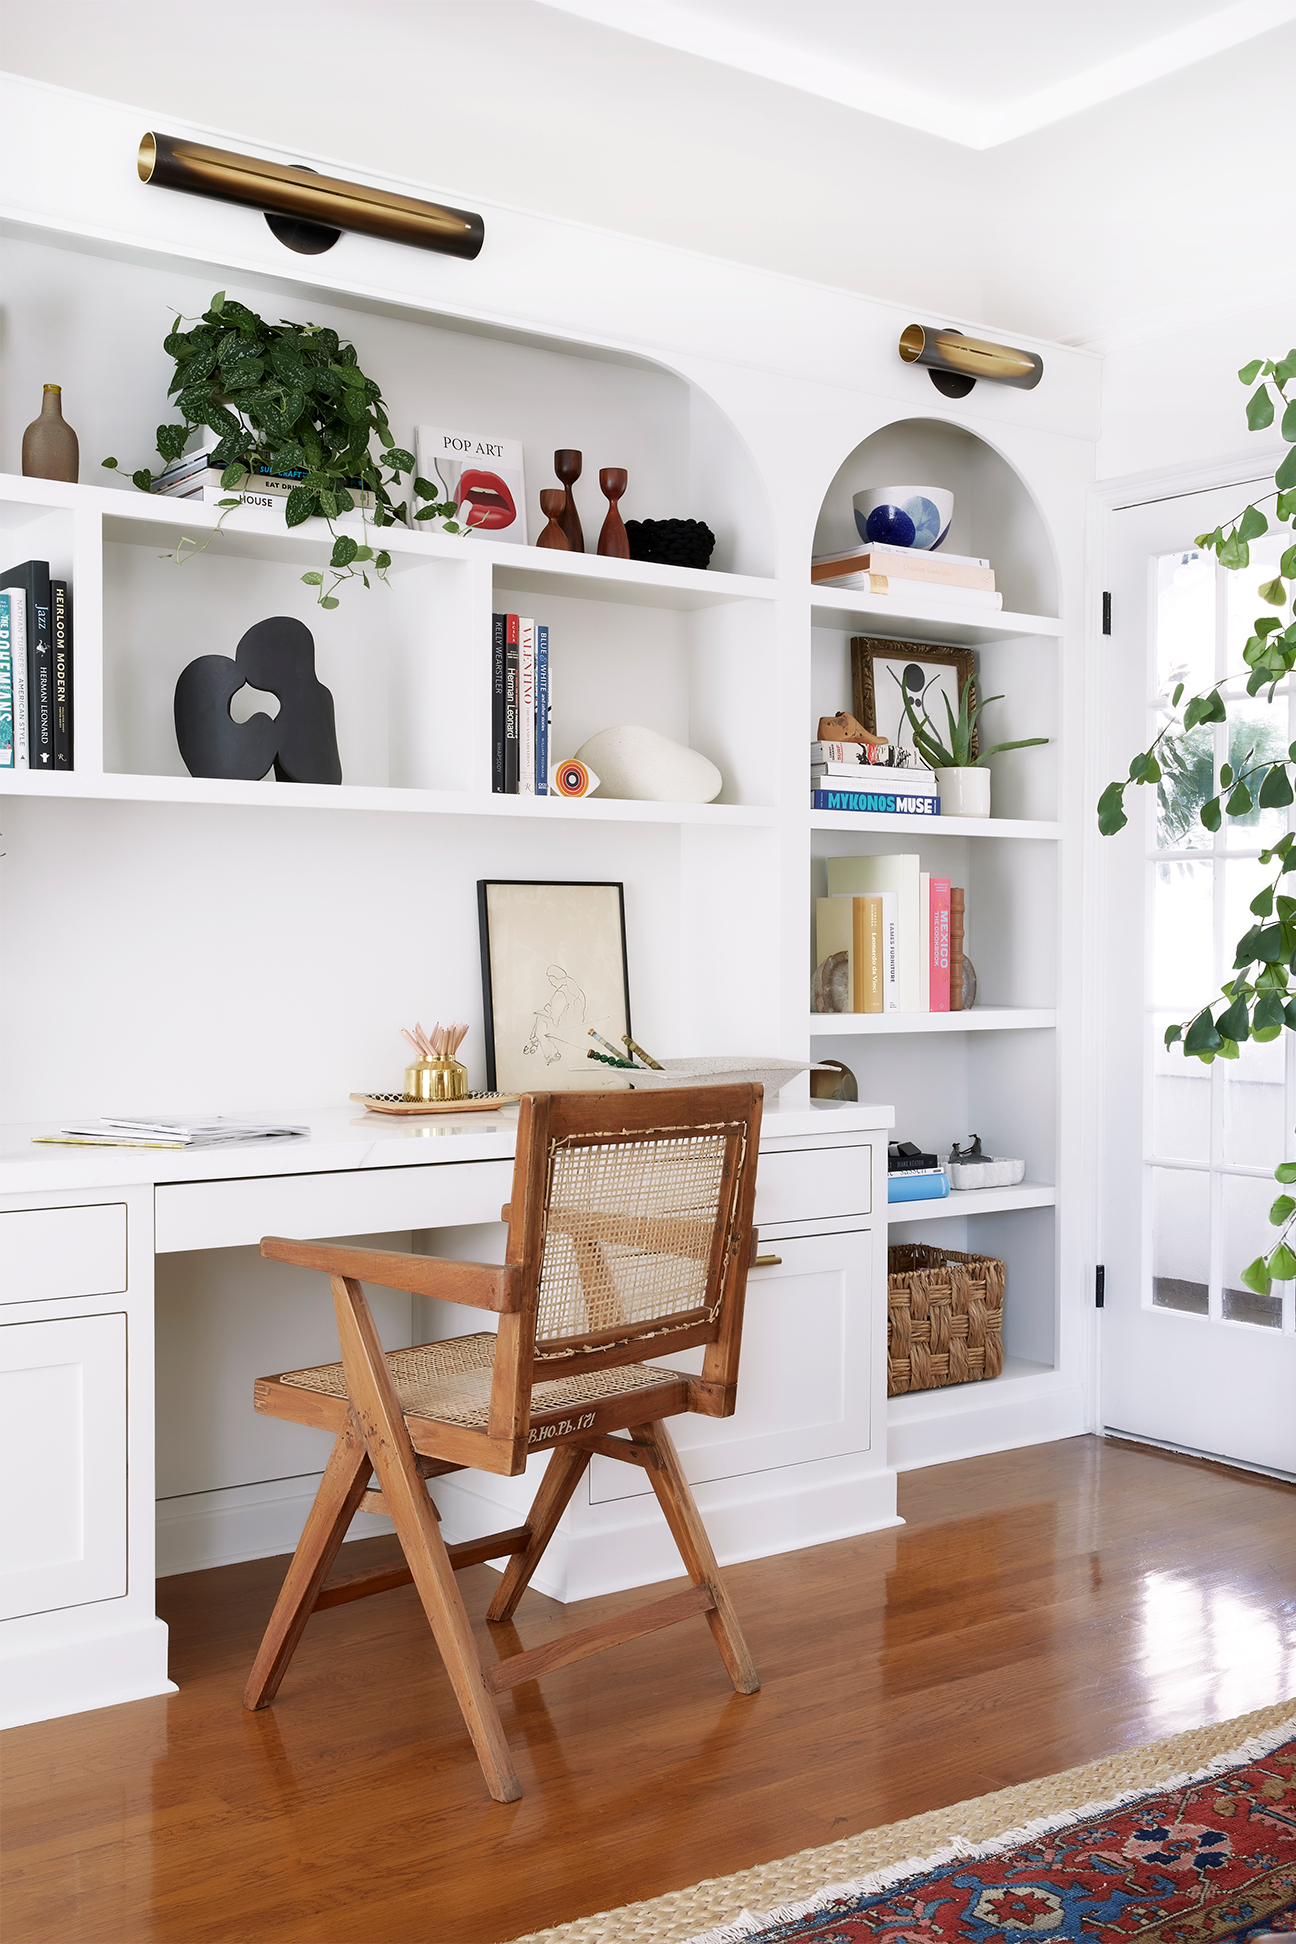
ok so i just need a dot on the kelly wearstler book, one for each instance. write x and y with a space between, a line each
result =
32 578
483 476
499 624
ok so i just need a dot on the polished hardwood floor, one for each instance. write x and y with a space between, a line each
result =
1040 1608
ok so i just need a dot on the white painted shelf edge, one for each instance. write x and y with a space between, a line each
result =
974 1201
982 1019
139 518
885 615
1017 1373
272 795
885 825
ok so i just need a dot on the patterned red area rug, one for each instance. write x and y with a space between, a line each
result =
1198 1860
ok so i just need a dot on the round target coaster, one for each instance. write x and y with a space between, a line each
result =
572 779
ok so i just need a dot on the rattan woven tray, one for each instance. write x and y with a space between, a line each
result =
473 1103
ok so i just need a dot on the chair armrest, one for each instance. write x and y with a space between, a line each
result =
481 1285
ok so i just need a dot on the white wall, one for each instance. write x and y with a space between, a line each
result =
1138 208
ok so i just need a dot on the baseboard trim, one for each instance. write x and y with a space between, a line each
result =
241 1522
87 1670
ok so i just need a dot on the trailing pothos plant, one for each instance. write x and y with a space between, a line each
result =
292 398
1259 1000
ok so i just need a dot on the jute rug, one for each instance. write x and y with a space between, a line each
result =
801 1896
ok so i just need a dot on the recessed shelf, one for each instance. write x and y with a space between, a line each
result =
884 825
884 615
269 794
974 1201
982 1019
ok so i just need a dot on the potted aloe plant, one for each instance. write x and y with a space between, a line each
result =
962 779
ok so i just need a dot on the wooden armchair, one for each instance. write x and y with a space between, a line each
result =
629 1235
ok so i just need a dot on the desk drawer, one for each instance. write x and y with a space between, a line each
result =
54 1253
810 1184
366 1201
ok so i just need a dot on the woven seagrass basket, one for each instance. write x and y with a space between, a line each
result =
944 1317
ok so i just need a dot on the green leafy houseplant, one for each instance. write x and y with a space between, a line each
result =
1259 1000
959 751
292 398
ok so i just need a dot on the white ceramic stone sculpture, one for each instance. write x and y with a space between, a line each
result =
638 763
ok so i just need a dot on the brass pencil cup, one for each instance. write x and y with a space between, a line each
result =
436 1080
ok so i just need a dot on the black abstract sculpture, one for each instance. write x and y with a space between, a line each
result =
301 741
671 543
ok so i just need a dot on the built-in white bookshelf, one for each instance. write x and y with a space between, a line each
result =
738 661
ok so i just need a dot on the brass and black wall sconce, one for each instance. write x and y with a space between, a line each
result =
954 362
306 211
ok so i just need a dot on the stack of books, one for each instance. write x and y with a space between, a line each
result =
888 938
914 1176
870 776
915 579
521 705
35 669
181 1131
193 477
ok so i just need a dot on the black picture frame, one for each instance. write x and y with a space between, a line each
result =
503 1005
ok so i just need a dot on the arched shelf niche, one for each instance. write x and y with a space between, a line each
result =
995 514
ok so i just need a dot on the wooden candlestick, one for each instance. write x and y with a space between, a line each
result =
552 501
567 465
613 540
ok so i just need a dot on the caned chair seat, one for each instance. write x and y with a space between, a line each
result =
629 1237
450 1381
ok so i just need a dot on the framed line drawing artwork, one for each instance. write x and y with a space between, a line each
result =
554 964
881 670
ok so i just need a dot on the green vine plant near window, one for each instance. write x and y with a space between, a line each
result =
292 398
1259 1000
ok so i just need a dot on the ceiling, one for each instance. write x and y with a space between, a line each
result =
979 76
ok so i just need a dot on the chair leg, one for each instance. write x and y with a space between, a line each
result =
341 1490
375 1408
689 1534
563 1474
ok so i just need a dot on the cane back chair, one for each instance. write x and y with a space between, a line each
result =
629 1235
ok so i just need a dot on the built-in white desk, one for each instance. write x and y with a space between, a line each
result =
89 1236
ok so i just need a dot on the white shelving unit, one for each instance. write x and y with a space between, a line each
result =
233 921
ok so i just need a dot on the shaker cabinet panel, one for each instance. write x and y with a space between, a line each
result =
803 1382
49 1253
63 1453
813 1184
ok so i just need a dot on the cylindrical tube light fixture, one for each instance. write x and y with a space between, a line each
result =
966 359
173 163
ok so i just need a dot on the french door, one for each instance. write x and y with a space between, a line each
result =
1189 1356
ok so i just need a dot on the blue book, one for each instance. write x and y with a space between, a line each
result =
890 803
542 710
918 1185
6 687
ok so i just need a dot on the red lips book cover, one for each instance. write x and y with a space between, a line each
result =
482 476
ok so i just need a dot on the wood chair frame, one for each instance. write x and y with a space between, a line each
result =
376 1439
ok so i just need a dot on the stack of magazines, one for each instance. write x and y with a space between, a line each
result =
181 1131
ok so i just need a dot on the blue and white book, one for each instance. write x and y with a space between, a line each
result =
542 710
6 685
14 601
887 803
918 1184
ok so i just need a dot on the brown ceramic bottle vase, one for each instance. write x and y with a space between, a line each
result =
613 541
567 465
49 447
552 501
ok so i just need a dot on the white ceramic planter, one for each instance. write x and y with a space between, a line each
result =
964 792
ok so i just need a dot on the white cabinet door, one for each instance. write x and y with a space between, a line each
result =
63 1459
804 1377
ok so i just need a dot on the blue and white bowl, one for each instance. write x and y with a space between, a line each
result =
904 516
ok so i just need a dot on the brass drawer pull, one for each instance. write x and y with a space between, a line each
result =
766 1261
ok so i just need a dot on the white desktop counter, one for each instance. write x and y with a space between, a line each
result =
98 1245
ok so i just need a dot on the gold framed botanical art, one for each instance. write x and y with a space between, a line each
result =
883 672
